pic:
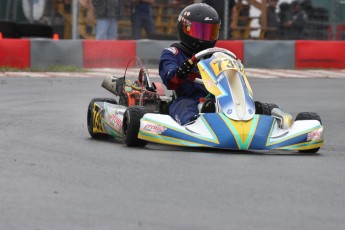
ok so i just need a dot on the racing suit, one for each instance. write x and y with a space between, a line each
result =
185 106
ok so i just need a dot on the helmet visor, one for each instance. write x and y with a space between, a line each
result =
203 31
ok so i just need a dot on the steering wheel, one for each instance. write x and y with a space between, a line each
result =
207 52
202 54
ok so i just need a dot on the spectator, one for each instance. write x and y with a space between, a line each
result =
272 20
317 26
240 19
183 2
90 19
107 13
296 22
284 13
142 18
307 6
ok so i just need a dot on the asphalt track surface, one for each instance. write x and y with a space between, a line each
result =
54 176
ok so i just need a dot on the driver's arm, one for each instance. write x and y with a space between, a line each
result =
168 65
172 73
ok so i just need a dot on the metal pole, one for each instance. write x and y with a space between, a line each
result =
75 19
332 20
8 10
226 19
15 6
31 7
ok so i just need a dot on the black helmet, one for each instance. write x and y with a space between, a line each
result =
198 27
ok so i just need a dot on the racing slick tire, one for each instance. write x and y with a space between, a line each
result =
308 116
90 115
131 126
264 108
8 29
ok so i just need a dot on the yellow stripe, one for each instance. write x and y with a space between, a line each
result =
167 140
304 145
214 137
268 143
237 128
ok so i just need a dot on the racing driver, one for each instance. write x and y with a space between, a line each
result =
198 28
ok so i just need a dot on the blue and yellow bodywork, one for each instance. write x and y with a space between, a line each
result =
218 131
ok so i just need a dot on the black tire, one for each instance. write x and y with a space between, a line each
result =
90 116
131 125
8 29
264 108
34 30
308 116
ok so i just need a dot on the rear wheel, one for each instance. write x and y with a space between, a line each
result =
308 116
8 29
90 116
131 126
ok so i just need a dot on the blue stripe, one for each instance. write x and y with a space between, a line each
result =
262 132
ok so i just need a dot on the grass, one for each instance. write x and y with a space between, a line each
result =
45 69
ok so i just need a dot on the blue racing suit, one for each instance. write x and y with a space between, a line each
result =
185 107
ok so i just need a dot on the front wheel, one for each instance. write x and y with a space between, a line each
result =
308 116
91 116
131 126
264 108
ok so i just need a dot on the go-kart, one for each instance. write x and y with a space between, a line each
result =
237 122
105 115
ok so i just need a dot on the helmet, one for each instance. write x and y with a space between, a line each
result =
198 27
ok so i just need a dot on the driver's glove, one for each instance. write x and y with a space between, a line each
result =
185 69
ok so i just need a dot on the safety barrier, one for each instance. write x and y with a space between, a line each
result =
15 53
320 54
25 53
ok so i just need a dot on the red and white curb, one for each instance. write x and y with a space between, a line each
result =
288 73
133 72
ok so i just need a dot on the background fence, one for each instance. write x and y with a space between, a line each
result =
74 19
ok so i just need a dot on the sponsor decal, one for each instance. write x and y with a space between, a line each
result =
153 128
186 22
114 120
315 135
221 77
210 83
208 19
